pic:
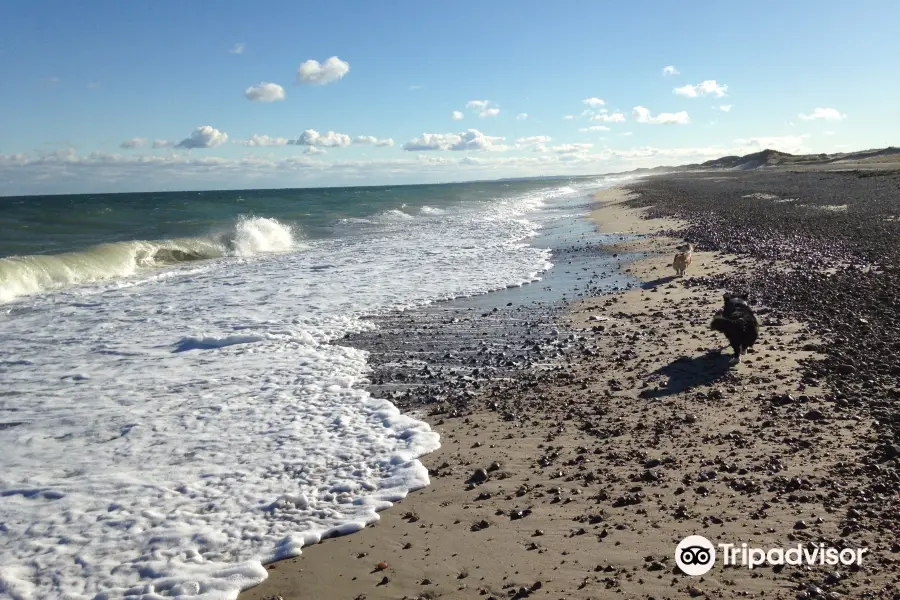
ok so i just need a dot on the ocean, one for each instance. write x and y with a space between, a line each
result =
176 409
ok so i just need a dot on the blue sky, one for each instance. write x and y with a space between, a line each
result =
81 81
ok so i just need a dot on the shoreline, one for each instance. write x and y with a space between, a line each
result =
588 486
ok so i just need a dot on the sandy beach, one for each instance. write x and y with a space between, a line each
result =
577 480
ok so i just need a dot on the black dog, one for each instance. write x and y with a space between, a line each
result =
737 321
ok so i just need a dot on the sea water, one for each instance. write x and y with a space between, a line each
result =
176 409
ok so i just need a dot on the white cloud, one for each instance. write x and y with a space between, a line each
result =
642 115
525 142
569 117
329 139
414 88
628 133
264 92
313 150
708 87
162 144
371 139
609 118
431 141
671 70
571 148
829 133
477 104
593 101
238 48
316 73
133 143
457 115
521 116
471 160
489 112
594 128
469 140
786 143
264 140
204 137
828 114
725 107
67 171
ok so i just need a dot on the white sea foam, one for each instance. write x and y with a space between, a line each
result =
173 436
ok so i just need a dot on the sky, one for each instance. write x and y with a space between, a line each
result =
112 96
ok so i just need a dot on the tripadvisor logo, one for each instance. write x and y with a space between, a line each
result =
695 555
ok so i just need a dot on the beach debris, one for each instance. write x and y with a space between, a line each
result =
479 476
381 566
482 524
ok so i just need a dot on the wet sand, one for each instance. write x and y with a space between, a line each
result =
619 428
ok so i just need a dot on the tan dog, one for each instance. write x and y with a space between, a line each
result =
683 259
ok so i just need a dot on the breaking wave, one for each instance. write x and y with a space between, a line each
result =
24 275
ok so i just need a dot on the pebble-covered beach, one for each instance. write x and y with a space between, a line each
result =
583 437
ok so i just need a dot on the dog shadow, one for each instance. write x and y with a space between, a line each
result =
649 285
685 373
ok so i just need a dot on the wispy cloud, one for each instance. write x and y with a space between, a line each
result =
133 143
521 116
827 114
642 115
670 70
594 101
265 140
725 107
489 112
570 148
524 142
371 139
594 128
609 118
238 48
457 115
313 72
708 87
784 143
477 104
